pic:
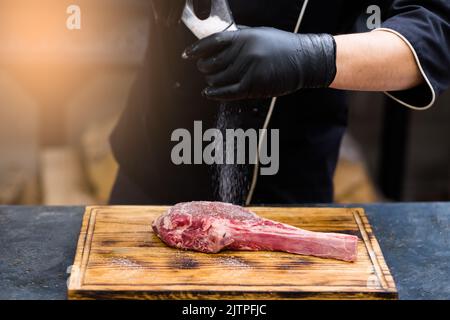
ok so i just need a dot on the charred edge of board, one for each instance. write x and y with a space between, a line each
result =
177 295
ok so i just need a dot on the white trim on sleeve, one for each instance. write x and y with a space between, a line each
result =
416 57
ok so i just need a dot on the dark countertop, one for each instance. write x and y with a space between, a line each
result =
38 244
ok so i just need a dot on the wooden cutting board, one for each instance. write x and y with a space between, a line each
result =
119 256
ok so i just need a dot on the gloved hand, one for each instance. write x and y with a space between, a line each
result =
255 63
167 12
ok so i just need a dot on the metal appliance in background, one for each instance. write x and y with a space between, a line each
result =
206 17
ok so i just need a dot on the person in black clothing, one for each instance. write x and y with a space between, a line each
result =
408 57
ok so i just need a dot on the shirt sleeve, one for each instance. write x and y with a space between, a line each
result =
425 27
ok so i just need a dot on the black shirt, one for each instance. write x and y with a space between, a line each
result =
166 96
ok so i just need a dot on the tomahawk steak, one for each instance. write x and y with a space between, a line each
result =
210 227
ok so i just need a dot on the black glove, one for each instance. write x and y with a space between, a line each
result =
168 12
255 63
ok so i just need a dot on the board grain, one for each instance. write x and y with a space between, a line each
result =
119 257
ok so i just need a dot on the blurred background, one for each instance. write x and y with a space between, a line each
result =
62 91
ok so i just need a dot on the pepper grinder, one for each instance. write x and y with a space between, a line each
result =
207 17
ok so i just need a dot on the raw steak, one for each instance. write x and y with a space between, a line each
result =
210 227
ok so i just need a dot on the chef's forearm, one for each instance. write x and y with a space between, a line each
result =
375 61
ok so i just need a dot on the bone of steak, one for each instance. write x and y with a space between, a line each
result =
210 227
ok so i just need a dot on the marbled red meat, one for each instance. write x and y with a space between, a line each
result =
211 227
